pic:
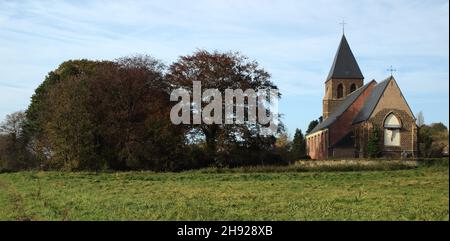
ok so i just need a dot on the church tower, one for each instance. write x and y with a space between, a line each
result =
344 78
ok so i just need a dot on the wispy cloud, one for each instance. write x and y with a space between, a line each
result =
294 40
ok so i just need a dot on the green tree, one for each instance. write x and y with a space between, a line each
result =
432 139
373 144
40 108
71 130
298 145
311 126
425 141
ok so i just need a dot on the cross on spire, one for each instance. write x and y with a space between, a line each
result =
392 70
343 23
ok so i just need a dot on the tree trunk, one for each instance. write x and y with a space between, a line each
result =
211 146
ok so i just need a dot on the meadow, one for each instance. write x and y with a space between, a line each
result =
297 192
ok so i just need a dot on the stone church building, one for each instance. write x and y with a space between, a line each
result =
352 111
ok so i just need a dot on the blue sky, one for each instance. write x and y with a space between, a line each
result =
294 40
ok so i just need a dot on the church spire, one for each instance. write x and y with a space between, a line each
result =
344 64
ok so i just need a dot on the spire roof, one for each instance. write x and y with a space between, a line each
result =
344 64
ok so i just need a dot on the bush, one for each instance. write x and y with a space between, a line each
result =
432 139
434 162
373 144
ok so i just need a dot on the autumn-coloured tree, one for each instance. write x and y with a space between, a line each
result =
133 106
283 146
432 140
97 115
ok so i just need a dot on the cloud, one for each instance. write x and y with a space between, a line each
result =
294 40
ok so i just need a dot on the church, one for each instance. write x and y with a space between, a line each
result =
353 111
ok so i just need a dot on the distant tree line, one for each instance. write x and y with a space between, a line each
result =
114 115
432 139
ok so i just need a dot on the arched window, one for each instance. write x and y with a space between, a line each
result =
392 126
352 88
340 91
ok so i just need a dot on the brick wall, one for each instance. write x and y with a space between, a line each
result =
344 152
408 132
330 100
317 145
328 106
344 124
393 101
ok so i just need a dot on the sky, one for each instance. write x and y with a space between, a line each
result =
293 40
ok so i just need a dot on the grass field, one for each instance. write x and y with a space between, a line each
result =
414 194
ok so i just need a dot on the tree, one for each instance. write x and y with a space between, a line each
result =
13 124
133 108
93 115
282 140
283 146
14 154
373 144
320 119
72 130
425 141
39 111
432 139
223 71
420 119
298 145
311 126
438 128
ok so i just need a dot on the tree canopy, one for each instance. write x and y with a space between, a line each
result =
99 115
224 71
298 145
